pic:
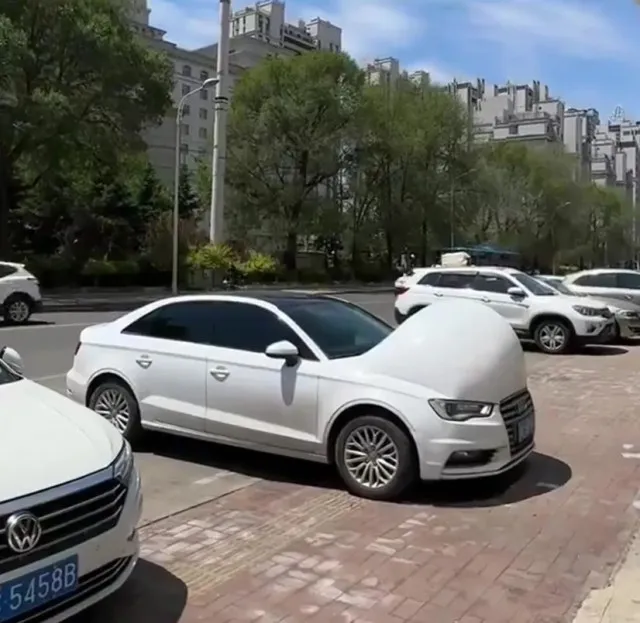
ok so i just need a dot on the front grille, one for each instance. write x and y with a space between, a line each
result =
514 409
88 586
68 521
605 312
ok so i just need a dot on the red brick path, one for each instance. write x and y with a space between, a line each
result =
471 553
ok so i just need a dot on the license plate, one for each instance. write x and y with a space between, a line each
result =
37 588
524 429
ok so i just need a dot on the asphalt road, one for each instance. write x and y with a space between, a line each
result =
177 473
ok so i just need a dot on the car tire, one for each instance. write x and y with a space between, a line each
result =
553 336
399 447
117 396
17 309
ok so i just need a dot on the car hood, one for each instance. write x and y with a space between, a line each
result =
459 349
616 304
48 440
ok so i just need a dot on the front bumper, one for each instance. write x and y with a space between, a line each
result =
491 438
104 564
595 330
628 327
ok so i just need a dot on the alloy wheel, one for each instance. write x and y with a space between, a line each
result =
371 457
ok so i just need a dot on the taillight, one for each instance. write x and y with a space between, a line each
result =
398 290
78 345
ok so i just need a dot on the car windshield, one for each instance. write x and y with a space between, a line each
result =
559 286
7 375
340 329
536 287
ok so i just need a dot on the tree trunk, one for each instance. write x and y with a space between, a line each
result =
5 207
291 251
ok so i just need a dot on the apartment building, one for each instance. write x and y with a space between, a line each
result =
265 21
193 67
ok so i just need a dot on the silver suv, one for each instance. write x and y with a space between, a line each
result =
606 282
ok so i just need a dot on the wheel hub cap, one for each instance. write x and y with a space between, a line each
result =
112 405
371 457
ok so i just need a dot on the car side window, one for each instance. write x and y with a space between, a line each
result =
456 281
629 281
430 279
183 322
601 280
248 327
492 283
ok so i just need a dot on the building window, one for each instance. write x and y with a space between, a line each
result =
202 132
186 71
184 147
185 129
204 94
186 110
204 113
204 75
513 129
185 89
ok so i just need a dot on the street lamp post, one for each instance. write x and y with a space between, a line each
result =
176 181
218 164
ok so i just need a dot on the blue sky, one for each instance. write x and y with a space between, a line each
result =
587 51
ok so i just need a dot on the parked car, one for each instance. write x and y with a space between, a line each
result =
317 378
626 314
19 293
532 308
610 282
69 502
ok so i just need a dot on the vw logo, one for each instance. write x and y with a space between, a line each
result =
23 532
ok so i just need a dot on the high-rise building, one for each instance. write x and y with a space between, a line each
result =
265 21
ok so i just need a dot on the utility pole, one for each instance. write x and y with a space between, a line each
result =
218 164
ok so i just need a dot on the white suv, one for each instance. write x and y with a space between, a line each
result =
19 293
535 311
615 283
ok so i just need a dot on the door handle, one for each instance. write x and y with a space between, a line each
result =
438 293
485 299
144 361
219 373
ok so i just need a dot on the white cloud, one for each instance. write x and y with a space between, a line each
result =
370 27
561 26
192 23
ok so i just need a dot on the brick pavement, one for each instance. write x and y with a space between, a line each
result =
523 550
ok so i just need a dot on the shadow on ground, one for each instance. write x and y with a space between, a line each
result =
30 323
597 350
538 475
152 594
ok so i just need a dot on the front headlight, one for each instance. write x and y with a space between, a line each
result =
123 465
586 311
625 313
460 410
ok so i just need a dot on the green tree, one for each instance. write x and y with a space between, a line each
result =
291 123
79 82
188 202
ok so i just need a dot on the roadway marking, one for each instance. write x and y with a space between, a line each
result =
50 377
55 326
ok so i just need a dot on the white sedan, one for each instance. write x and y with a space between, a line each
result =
70 502
443 396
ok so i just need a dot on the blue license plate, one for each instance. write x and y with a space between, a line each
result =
37 588
524 429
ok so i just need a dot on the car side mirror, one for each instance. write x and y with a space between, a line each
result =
516 292
283 350
13 359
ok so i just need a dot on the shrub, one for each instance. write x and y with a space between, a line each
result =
259 267
216 257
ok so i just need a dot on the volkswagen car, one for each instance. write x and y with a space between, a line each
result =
70 503
443 396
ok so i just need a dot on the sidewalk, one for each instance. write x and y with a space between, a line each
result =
107 299
620 601
294 547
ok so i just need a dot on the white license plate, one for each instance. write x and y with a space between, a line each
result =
524 429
